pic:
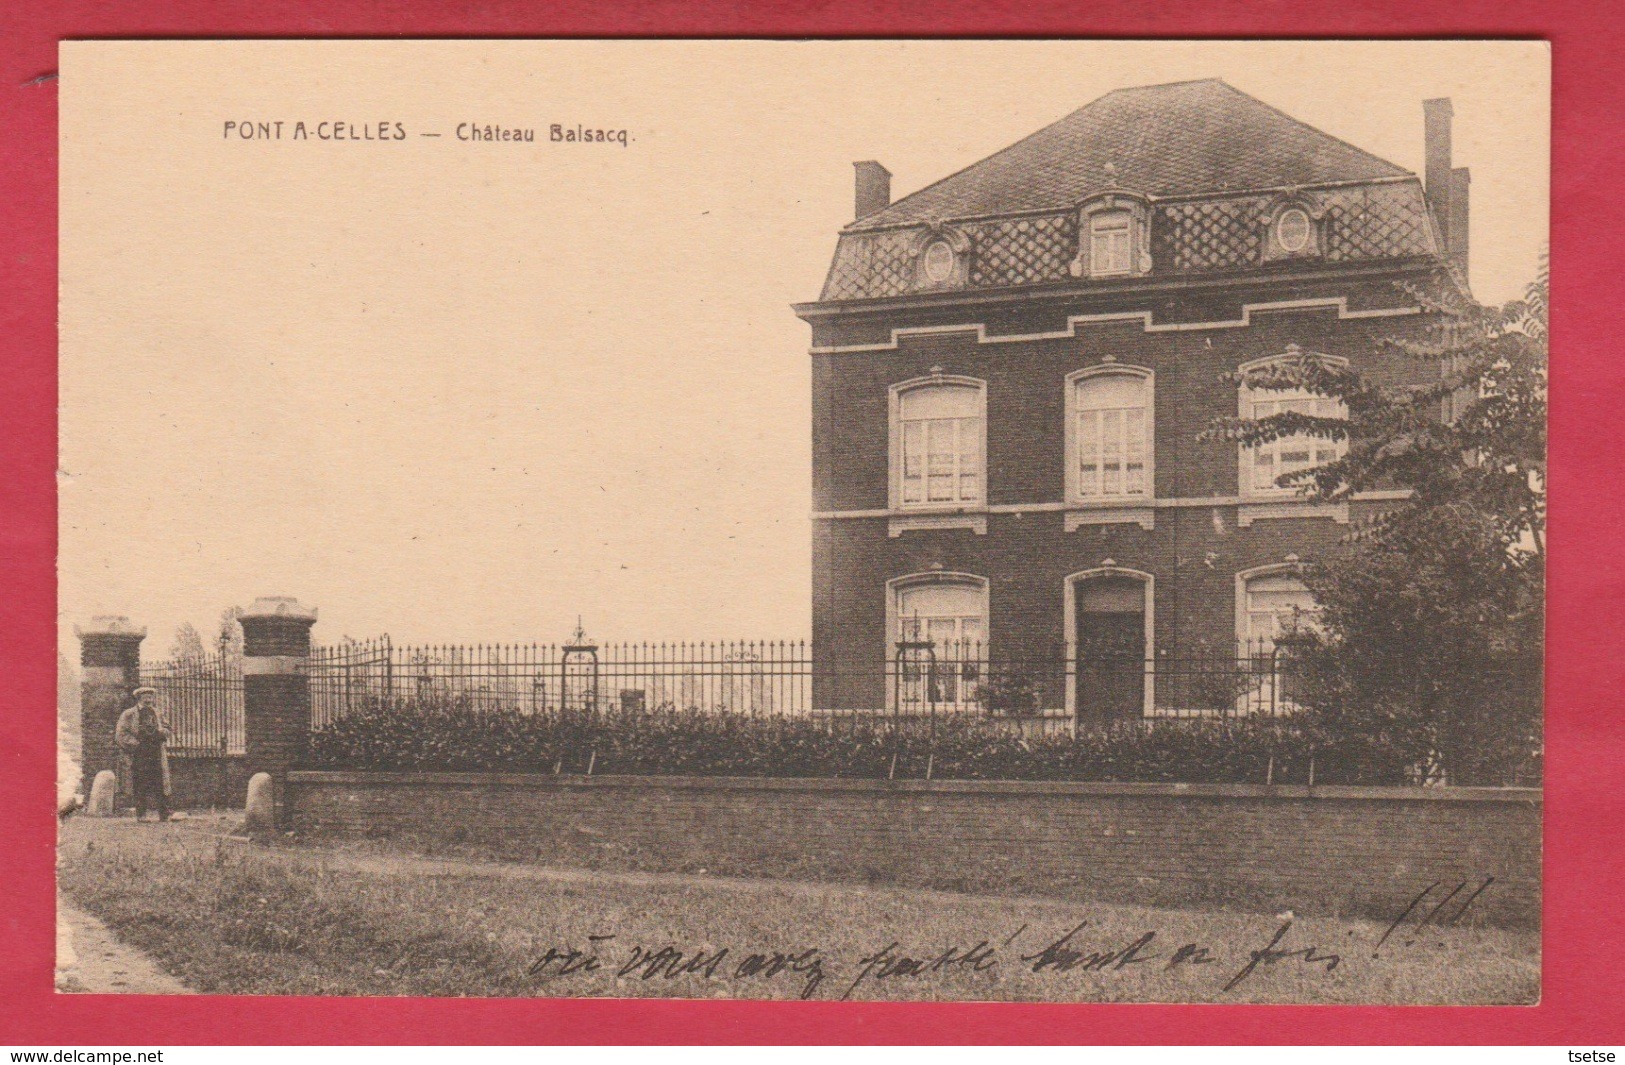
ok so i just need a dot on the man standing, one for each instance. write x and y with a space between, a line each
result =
141 735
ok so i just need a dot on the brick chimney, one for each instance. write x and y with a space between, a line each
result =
872 191
1461 180
1437 176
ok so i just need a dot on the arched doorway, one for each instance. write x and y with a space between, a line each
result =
1109 636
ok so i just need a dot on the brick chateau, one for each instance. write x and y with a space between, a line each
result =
1012 366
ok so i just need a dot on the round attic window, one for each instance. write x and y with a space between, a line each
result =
939 262
1292 230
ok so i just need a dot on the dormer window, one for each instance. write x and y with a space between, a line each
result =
1109 250
941 257
1114 237
939 262
1292 230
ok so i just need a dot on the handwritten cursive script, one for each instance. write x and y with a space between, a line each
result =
809 968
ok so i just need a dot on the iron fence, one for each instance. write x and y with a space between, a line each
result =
740 676
201 698
346 675
1065 683
1090 682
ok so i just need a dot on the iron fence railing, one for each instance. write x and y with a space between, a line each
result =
741 676
766 677
201 698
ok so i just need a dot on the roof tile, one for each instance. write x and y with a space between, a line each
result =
1185 138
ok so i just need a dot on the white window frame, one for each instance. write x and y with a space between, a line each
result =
1248 399
1274 249
1308 230
1263 694
1244 632
895 590
1098 217
1074 438
895 472
1096 230
925 262
959 249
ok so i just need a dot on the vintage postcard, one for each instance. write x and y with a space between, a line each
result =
963 520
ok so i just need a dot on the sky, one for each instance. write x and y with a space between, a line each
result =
462 391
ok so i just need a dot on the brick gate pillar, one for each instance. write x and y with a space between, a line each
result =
276 691
110 660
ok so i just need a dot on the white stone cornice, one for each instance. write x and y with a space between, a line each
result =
1304 507
1337 303
273 665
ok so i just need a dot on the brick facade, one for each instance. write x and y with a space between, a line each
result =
1190 321
1364 851
1195 549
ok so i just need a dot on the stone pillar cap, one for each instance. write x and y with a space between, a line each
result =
109 625
279 606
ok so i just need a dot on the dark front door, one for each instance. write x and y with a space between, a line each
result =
1110 650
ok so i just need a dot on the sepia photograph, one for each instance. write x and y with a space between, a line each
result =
1043 521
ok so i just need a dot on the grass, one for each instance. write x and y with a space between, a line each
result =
230 918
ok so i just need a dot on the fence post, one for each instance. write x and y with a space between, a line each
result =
276 688
110 656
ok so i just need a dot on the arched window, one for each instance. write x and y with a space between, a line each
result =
950 614
1272 604
938 441
938 626
1263 466
1110 434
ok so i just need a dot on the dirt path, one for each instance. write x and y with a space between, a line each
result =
91 960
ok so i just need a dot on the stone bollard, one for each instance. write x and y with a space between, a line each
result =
260 810
110 656
276 691
103 795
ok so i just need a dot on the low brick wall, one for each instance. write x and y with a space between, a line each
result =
1334 850
214 782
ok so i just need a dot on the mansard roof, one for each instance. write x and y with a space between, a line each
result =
1207 167
1182 139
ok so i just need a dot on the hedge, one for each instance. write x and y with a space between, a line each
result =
461 737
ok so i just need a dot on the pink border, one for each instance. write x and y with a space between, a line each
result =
1584 846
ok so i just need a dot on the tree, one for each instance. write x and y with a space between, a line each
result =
231 633
1430 628
188 646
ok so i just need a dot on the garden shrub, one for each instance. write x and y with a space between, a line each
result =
459 735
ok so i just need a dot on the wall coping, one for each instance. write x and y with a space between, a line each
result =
545 781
